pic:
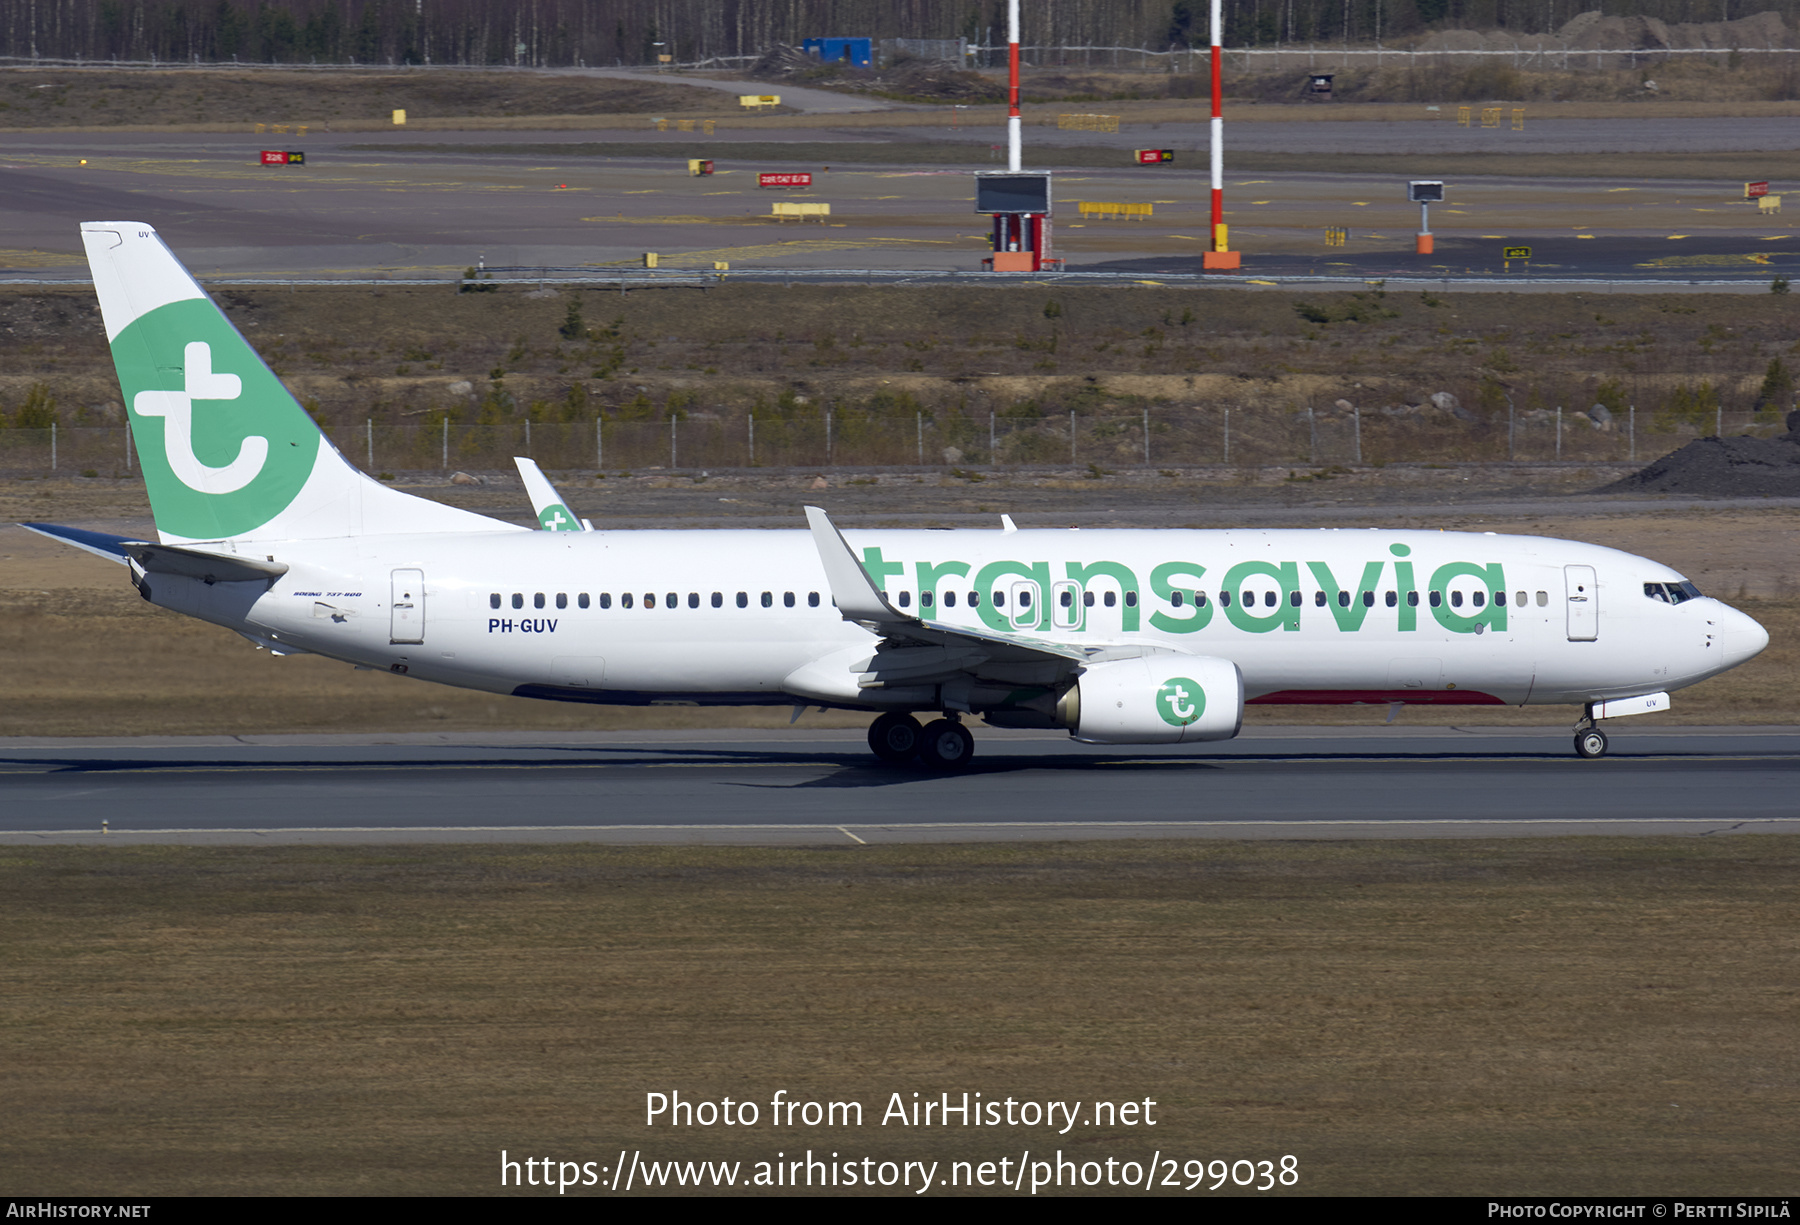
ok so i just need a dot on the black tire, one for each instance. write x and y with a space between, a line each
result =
946 745
894 738
1590 743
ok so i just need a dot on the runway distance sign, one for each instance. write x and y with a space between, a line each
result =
1516 253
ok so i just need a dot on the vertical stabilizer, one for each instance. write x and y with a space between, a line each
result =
228 453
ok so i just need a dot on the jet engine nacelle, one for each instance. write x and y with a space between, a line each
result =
1155 699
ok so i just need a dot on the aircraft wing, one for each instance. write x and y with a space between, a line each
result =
553 514
916 651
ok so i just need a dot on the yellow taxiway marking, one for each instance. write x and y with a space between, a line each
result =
1612 189
1493 236
1188 237
1147 282
1262 282
647 191
1584 235
1252 182
1262 201
1360 203
1777 237
1674 236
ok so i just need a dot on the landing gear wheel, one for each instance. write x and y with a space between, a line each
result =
894 738
1590 743
946 745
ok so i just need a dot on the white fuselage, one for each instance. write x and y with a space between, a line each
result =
728 616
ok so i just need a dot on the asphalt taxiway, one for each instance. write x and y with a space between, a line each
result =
736 787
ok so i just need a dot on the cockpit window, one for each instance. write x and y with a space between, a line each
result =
1671 593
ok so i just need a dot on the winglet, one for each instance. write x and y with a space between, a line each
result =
553 513
857 597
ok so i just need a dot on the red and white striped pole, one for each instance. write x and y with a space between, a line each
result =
1013 136
1219 253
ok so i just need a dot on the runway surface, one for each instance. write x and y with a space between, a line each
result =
812 788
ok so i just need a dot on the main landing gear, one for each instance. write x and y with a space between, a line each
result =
943 744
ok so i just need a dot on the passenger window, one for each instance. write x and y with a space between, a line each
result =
693 599
1131 599
1343 599
1500 598
949 599
672 600
582 599
1294 598
1087 599
606 599
1175 598
625 600
1199 599
1225 598
1412 599
537 600
999 599
812 599
1543 599
787 599
924 599
494 600
743 599
1024 599
1393 599
974 599
649 599
1318 599
768 599
1111 599
1519 598
1479 597
1368 599
518 600
718 599
1437 599
1456 599
1066 599
905 599
562 599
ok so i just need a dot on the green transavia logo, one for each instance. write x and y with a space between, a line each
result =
225 447
1180 701
556 518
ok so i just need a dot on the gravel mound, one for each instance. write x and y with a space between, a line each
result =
1722 467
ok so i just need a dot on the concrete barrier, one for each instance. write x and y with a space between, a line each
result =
801 210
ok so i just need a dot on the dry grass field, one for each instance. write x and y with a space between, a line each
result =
1574 1017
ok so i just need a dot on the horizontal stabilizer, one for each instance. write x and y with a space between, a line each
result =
100 544
208 567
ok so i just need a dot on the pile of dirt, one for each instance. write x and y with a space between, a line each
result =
1722 467
905 77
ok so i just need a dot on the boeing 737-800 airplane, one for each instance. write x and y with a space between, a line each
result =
1121 637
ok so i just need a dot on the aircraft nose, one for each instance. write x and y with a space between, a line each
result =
1743 638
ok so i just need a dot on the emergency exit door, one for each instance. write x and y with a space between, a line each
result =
408 607
1583 597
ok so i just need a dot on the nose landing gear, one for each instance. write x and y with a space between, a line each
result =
1590 743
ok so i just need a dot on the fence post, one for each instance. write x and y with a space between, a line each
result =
128 448
1559 432
1312 435
446 443
1071 435
53 446
752 440
1228 435
528 437
599 446
1511 433
1631 425
1719 420
828 438
672 420
369 438
993 449
921 417
1146 438
1356 416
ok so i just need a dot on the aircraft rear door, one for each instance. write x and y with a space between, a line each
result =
1584 603
408 607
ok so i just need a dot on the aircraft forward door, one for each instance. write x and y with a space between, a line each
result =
1583 596
408 607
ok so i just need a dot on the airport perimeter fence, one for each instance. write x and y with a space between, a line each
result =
1244 437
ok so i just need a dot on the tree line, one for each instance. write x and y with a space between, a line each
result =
553 33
